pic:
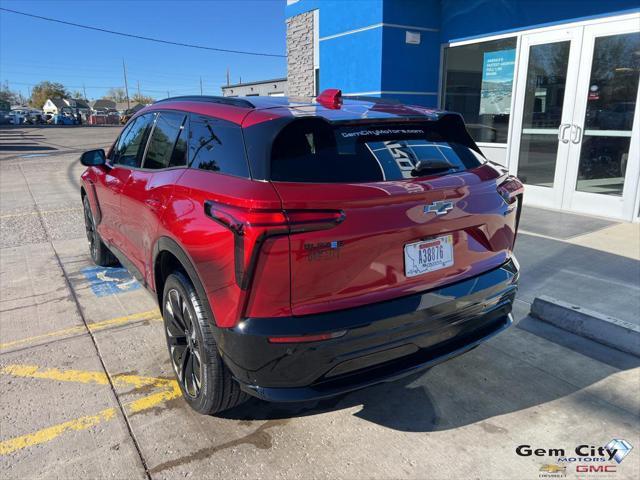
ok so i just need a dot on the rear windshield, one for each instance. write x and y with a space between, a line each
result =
312 150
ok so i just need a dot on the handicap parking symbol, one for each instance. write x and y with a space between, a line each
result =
109 280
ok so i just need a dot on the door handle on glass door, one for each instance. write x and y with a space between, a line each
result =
561 131
576 134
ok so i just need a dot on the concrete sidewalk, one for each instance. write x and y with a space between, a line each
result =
581 260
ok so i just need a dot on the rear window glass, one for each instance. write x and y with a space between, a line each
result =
312 150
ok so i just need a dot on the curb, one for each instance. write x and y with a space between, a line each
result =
596 326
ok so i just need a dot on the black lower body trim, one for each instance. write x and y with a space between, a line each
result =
384 341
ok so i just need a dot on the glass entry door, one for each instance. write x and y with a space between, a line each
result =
575 139
547 76
604 158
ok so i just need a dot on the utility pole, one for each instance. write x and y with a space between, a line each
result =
126 86
200 85
85 91
139 96
168 94
227 76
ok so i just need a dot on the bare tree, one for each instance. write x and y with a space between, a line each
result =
117 94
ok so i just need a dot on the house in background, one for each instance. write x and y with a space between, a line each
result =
274 88
103 106
56 106
128 108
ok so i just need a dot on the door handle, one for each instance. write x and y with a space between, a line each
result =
576 134
561 131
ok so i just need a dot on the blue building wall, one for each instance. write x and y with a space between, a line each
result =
377 60
469 18
352 63
407 67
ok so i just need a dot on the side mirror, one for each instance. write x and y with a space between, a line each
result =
93 158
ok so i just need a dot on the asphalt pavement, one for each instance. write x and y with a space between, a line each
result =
87 390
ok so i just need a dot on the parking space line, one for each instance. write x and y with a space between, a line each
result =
81 376
169 391
50 433
24 214
153 315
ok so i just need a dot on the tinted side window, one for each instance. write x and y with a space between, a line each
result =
118 146
163 139
132 142
217 145
179 155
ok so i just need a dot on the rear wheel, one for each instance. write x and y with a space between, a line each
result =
206 383
100 254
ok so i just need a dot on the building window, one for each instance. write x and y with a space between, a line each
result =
478 84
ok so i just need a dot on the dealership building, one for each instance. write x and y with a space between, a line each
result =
548 88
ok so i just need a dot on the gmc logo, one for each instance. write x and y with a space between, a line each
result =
595 468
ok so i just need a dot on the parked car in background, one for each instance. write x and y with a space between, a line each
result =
26 115
303 250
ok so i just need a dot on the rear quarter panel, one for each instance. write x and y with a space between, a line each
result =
212 249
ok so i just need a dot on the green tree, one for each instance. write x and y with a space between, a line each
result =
44 90
143 99
116 94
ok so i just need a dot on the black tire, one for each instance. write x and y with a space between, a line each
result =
206 383
100 254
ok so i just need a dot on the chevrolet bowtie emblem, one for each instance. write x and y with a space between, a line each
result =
440 207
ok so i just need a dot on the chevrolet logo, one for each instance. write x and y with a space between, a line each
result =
549 468
440 207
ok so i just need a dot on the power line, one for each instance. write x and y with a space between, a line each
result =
189 89
139 37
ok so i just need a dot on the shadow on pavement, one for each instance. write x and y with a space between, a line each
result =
24 148
473 388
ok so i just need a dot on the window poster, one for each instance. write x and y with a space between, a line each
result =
497 80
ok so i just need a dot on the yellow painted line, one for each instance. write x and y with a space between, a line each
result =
170 391
81 376
49 433
44 212
155 399
148 315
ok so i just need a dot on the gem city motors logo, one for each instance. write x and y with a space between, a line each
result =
588 459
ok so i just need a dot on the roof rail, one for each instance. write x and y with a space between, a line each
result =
235 102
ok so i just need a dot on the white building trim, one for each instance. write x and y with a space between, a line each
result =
378 25
388 92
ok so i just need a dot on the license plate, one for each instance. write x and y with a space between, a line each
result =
428 255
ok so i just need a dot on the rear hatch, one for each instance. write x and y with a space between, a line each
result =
407 207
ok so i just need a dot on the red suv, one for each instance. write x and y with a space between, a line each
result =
299 250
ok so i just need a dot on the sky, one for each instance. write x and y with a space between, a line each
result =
33 50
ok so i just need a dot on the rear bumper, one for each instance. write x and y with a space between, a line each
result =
383 341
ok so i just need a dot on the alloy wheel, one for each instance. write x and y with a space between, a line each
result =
184 346
90 230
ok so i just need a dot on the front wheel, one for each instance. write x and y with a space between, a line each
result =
206 383
100 254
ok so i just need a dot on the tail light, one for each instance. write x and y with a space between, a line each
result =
307 338
251 226
511 190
